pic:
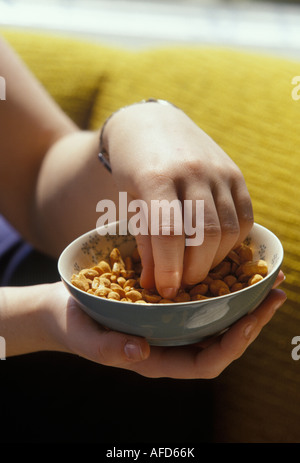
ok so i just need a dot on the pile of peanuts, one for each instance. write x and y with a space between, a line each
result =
119 279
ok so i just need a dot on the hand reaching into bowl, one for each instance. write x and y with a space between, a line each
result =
169 158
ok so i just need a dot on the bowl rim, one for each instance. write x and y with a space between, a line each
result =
275 269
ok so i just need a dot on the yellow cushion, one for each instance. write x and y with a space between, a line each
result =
244 101
72 71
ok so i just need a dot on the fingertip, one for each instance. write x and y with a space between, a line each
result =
249 328
280 279
168 293
168 283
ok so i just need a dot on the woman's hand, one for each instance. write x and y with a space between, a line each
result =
67 328
158 153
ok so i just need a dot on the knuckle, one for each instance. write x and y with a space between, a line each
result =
230 228
246 212
194 168
104 354
247 222
212 230
167 229
156 177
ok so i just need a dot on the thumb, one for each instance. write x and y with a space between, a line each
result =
88 339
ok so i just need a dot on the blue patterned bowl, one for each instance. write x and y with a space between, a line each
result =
167 324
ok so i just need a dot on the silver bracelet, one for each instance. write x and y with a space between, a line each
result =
103 154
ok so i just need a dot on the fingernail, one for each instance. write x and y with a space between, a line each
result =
248 330
133 351
169 293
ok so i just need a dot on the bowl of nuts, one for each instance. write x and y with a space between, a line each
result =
101 270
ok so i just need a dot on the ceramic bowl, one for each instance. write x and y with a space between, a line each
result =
167 324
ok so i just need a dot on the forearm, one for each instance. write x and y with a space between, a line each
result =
70 183
23 319
50 176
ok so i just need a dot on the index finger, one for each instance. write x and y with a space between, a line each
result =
167 239
168 254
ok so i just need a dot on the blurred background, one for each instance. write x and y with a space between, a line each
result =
271 26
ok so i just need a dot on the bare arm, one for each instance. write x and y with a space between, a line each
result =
50 177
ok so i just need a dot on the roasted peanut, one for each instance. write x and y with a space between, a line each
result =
207 280
237 286
102 267
104 281
243 278
95 283
255 267
244 252
133 295
106 275
127 273
117 289
116 268
202 289
255 279
182 296
130 283
115 256
232 255
230 280
218 288
102 291
80 282
113 295
89 273
119 280
222 269
151 296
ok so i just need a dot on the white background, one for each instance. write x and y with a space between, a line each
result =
257 25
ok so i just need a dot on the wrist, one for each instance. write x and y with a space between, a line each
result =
24 319
19 320
104 150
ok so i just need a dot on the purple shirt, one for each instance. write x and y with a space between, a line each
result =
11 240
